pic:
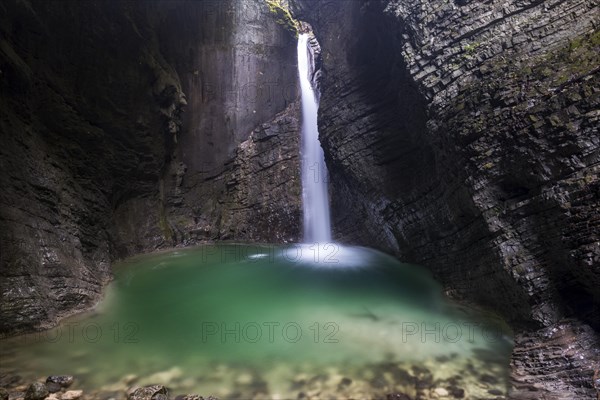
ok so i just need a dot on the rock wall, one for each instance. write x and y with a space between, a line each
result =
234 174
100 160
256 197
458 134
237 68
82 131
464 135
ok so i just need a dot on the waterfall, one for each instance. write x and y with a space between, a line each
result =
315 199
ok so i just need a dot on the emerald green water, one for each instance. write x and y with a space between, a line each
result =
254 321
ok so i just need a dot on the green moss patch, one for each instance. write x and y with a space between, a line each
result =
283 16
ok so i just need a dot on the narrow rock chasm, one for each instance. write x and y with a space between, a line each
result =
461 135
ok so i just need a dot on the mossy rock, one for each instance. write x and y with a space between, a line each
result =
283 16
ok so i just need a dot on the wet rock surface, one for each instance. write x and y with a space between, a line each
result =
99 158
453 377
464 136
154 392
461 135
81 132
257 197
53 387
234 172
36 391
61 380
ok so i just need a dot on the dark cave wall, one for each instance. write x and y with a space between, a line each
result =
461 135
237 68
82 131
464 136
96 142
256 197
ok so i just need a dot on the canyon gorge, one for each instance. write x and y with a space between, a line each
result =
460 135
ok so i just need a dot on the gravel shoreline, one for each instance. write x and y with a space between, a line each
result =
440 378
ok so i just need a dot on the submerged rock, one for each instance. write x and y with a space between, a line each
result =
3 394
457 392
62 380
487 378
107 395
36 391
72 395
345 382
398 396
18 395
129 379
189 397
147 393
53 387
164 377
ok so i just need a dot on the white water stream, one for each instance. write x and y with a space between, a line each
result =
315 199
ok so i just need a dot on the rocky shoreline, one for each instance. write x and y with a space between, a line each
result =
476 378
57 388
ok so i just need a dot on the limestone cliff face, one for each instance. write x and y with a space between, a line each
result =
237 67
459 134
238 70
82 131
256 197
464 135
130 126
234 174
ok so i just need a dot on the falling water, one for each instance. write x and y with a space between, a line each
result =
317 227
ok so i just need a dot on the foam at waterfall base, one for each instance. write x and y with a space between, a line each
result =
329 255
